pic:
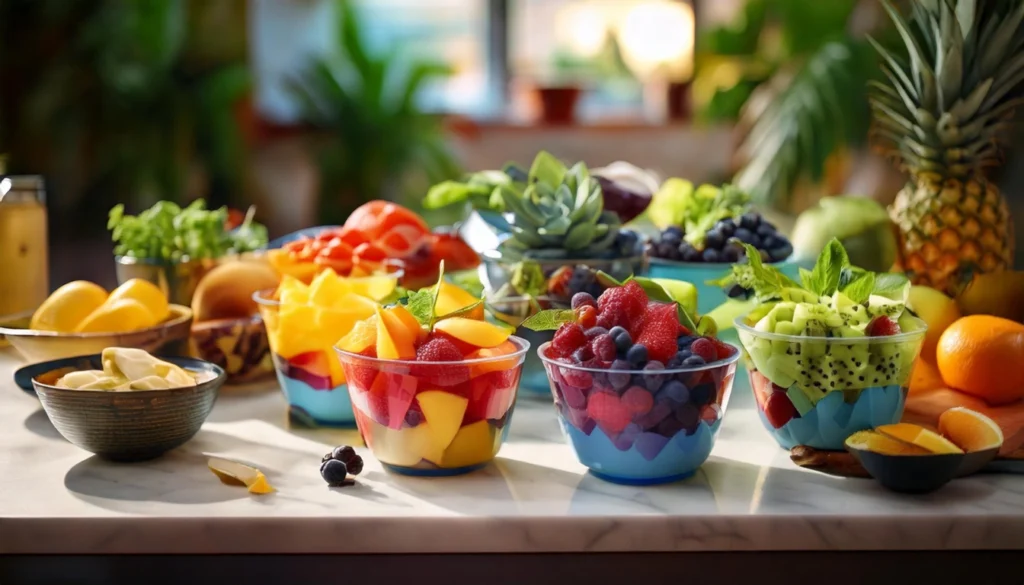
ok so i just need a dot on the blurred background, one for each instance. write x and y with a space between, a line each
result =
308 108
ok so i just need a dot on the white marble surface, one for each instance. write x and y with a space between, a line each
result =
56 498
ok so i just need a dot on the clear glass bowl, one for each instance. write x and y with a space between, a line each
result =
434 418
496 271
313 382
641 428
534 381
817 391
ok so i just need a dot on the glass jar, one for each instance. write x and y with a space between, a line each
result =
24 260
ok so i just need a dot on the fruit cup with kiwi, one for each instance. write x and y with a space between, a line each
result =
830 355
303 323
432 395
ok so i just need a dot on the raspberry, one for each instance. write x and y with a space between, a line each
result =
586 316
659 332
438 349
881 326
625 303
723 350
603 347
568 339
704 348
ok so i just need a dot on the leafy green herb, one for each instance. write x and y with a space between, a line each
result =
824 279
549 320
169 233
528 279
860 288
468 309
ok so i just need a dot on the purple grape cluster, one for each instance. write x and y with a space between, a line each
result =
723 243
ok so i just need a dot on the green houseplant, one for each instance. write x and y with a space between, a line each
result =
370 131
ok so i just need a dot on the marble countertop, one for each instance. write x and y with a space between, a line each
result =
535 497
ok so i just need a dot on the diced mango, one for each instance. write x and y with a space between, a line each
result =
505 348
328 290
388 346
362 336
405 447
443 412
403 327
452 298
374 287
293 332
473 444
473 332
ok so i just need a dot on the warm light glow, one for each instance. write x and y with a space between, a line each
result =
657 39
582 28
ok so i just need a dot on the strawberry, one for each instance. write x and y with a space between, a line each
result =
438 349
882 326
659 331
779 410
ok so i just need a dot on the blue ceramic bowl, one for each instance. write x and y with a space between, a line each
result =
639 428
817 391
696 273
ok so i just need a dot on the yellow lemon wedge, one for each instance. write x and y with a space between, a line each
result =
879 443
146 293
235 473
68 306
119 316
920 436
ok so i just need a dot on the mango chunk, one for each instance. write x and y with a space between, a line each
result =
473 332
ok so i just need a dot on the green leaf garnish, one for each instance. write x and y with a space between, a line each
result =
889 283
461 312
549 320
861 287
423 303
824 279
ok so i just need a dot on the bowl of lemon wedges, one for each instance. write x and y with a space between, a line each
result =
82 318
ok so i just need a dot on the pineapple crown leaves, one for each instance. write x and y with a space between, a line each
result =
559 212
831 273
947 104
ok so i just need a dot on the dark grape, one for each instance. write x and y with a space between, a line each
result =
671 236
770 242
726 227
743 235
712 255
730 255
750 221
333 471
675 231
755 240
714 239
692 255
764 230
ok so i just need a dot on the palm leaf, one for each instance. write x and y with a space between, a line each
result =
822 109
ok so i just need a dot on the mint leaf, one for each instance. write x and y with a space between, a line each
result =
607 280
889 282
766 281
434 293
549 320
807 279
860 288
421 305
829 269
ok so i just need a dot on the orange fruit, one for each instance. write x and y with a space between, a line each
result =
970 430
879 443
978 355
915 435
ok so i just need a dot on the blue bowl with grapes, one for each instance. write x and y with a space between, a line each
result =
671 256
636 424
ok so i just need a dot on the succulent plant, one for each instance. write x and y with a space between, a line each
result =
560 214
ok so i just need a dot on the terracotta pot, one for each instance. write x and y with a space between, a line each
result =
558 104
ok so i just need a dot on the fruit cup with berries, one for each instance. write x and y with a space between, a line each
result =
639 395
830 355
432 394
703 232
303 322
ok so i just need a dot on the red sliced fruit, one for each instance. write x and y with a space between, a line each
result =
465 348
567 339
391 395
779 410
761 386
882 326
607 409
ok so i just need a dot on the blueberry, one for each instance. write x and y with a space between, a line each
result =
333 471
684 341
623 341
693 361
726 227
675 231
581 299
618 378
343 453
675 391
714 239
637 354
653 379
764 230
582 354
755 240
692 255
743 235
682 354
711 255
750 221
413 418
595 331
666 250
730 255
770 242
702 394
617 331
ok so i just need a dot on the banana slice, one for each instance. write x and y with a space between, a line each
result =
235 473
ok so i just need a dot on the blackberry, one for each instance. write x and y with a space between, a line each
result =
334 472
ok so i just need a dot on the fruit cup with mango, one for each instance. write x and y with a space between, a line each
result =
303 323
432 389
374 234
830 355
639 392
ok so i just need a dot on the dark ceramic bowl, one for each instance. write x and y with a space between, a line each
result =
911 474
127 426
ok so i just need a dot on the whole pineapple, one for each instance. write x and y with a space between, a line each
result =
942 114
